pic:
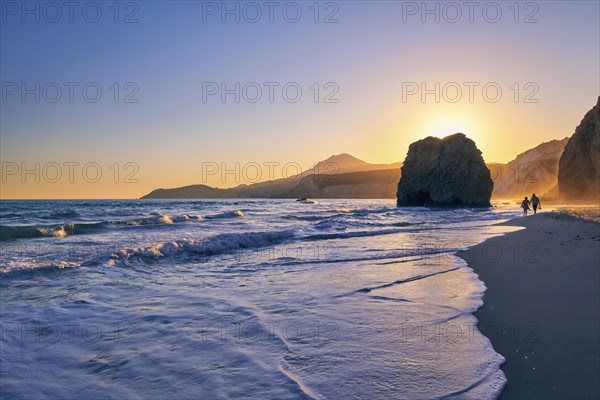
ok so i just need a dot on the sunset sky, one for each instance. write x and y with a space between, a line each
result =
374 56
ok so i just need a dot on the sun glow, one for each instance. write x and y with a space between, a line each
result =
440 120
448 127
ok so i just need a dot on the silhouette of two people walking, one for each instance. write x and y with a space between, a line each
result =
534 202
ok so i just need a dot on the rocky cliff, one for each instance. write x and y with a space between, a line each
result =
579 167
534 171
448 172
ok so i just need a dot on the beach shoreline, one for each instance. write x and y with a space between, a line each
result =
542 304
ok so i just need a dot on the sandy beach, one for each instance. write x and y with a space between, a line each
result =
542 305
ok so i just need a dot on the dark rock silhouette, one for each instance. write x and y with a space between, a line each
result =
579 167
448 172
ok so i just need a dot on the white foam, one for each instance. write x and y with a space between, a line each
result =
213 245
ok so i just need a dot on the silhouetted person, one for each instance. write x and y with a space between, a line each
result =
525 206
535 203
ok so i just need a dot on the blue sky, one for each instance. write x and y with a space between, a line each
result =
169 52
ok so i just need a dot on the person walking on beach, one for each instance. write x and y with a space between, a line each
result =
535 203
525 206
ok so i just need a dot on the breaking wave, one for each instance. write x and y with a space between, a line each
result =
213 245
28 232
8 232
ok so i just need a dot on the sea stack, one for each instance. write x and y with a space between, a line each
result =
579 167
448 172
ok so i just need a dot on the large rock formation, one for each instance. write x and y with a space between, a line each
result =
448 172
534 171
579 167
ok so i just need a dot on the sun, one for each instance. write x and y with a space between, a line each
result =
446 127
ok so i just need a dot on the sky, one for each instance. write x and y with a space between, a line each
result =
113 99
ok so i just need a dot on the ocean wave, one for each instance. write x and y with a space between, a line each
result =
162 219
11 269
342 214
341 223
330 224
61 230
8 232
218 244
64 214
382 210
352 234
310 217
10 215
225 215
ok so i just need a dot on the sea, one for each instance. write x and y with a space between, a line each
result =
243 298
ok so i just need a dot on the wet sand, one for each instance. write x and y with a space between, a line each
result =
542 305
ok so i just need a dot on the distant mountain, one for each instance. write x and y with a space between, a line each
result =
534 171
376 184
343 163
187 192
339 176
